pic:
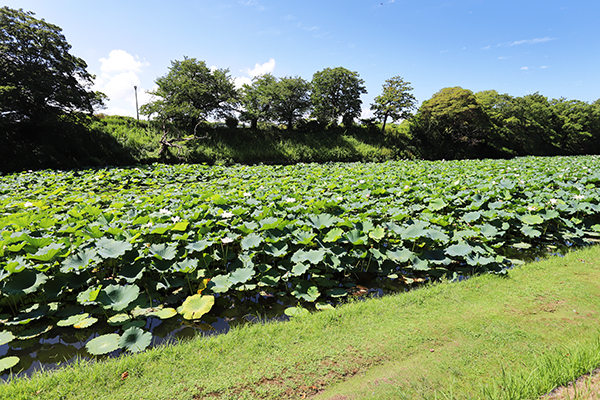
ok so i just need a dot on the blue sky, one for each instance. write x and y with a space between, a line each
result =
513 46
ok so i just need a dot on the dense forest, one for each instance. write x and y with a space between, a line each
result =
50 117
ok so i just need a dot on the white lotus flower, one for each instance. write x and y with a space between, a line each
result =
227 214
226 240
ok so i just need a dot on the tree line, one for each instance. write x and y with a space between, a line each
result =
191 93
43 87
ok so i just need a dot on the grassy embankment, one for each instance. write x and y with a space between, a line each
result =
487 337
113 140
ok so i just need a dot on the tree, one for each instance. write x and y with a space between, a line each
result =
257 99
395 102
190 93
451 125
39 79
291 100
336 93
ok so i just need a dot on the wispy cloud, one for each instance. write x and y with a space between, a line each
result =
259 69
252 3
531 41
524 68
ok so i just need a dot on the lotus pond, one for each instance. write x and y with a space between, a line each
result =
113 260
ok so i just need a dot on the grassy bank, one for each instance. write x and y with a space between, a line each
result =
443 341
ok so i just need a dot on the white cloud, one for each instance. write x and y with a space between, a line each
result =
239 82
524 68
117 80
120 60
531 41
366 113
544 67
261 69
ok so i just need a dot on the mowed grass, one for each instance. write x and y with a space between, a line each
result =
479 338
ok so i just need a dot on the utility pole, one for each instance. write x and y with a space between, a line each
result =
136 103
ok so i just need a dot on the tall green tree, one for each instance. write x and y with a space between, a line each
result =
257 100
395 102
291 100
451 125
39 79
190 93
578 130
336 93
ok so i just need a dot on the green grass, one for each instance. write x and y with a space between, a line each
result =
463 340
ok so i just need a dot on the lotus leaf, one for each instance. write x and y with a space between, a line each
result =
103 344
119 319
135 339
164 313
196 306
163 251
219 284
532 219
6 337
25 282
459 250
241 275
109 248
324 306
117 297
79 261
73 319
296 312
251 241
34 332
85 323
8 362
89 295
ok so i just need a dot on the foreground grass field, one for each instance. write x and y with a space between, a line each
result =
487 337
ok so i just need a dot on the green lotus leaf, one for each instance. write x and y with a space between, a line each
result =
530 231
321 306
117 297
119 319
306 291
471 216
377 234
39 242
103 344
73 319
251 241
47 253
164 313
322 221
531 219
198 246
303 237
400 255
135 339
8 362
489 231
437 204
355 237
278 249
34 332
196 306
241 275
163 251
132 272
296 312
269 223
89 296
24 282
219 284
136 322
79 261
109 248
417 230
180 226
300 268
85 323
333 235
6 337
186 266
459 250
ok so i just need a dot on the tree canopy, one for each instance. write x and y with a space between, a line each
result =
191 93
39 79
395 102
336 93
